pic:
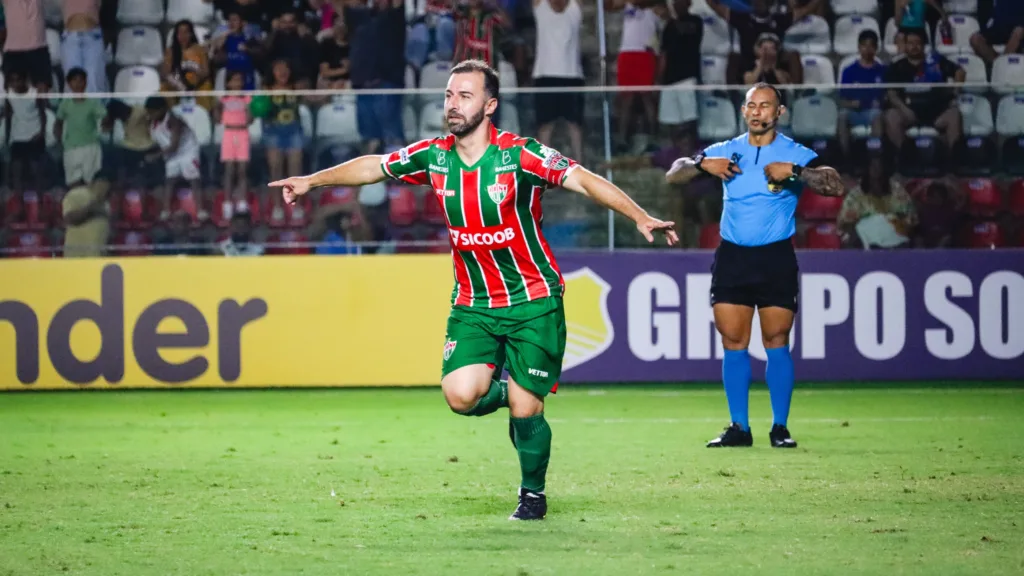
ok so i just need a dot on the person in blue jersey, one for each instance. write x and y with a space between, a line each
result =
755 268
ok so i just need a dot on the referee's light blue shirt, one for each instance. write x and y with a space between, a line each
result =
751 214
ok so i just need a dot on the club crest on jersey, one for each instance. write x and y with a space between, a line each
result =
497 192
449 347
556 162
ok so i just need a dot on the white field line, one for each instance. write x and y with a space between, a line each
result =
854 419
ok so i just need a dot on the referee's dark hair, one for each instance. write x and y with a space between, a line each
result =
767 86
491 82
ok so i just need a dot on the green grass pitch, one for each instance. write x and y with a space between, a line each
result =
926 480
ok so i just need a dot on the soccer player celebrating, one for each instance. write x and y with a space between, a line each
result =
755 265
507 302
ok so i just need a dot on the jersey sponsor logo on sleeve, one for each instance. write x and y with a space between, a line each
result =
497 192
481 239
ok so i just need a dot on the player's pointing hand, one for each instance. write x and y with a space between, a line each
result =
722 168
648 226
292 188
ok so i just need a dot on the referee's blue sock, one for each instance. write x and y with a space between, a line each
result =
779 375
736 378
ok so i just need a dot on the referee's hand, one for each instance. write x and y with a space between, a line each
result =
721 168
648 226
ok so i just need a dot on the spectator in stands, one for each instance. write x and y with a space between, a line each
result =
377 65
1004 27
87 219
25 115
679 67
77 128
232 113
910 15
137 168
750 26
558 65
432 35
766 67
179 240
340 227
282 130
934 107
297 47
180 150
82 42
249 11
25 49
637 64
237 49
334 61
878 213
483 30
239 241
186 65
862 106
938 217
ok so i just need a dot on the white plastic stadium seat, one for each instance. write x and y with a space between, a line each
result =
844 7
507 75
410 76
843 65
337 123
961 6
53 14
815 117
432 120
509 118
818 70
975 69
140 80
717 119
198 119
1008 73
718 37
149 12
255 132
713 69
977 114
53 45
409 123
202 34
434 76
139 45
1010 115
889 41
810 35
848 29
195 10
963 28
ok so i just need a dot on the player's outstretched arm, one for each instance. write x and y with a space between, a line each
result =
355 172
611 196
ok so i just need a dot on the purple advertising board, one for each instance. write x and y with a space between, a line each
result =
893 315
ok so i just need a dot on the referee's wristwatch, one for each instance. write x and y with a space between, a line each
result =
697 162
797 169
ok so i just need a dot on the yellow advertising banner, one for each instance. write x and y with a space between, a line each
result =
223 322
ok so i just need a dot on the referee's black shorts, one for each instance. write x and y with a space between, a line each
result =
756 276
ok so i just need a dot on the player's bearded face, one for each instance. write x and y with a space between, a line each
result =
462 121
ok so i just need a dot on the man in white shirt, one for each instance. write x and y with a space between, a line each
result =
638 60
558 65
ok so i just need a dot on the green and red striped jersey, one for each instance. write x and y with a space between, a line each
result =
493 212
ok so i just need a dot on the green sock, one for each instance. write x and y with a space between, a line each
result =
533 441
496 397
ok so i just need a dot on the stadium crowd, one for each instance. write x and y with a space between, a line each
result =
936 167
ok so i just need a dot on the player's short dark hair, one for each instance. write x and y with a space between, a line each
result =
767 86
156 103
492 83
919 32
75 73
866 35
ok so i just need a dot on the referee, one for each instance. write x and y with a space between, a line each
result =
755 266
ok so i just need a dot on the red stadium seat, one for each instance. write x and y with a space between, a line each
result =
132 243
984 235
815 207
402 206
135 210
432 211
1017 198
28 244
338 196
184 200
285 237
824 236
983 197
277 214
30 211
710 237
224 208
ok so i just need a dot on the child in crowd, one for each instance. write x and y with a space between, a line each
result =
233 112
25 114
77 128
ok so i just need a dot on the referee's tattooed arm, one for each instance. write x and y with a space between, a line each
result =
824 180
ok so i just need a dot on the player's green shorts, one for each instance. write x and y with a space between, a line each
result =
528 339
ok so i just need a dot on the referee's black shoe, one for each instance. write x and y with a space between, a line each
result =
733 436
780 437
